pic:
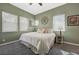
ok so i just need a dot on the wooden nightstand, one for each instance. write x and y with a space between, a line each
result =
59 39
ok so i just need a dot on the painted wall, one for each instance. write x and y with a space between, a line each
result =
72 32
10 36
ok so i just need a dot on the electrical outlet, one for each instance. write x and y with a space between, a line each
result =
3 40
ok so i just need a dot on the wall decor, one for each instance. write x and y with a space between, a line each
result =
73 20
44 20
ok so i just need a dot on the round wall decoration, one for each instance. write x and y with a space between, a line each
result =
44 20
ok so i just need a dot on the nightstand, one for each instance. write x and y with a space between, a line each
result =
59 39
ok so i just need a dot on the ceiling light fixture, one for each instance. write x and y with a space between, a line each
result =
38 3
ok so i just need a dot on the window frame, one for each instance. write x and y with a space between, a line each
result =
63 23
20 22
4 21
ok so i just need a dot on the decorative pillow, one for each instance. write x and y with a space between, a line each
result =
45 31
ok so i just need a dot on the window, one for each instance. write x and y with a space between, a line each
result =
24 24
36 22
9 22
59 22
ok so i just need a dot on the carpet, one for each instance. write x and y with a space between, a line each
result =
19 49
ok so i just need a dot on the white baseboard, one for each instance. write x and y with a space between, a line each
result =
18 40
71 43
8 42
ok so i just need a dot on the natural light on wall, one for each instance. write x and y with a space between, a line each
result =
36 22
9 22
24 24
59 22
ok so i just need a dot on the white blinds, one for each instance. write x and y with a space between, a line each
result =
24 24
59 22
9 22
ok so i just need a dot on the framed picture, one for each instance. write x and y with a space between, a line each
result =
73 20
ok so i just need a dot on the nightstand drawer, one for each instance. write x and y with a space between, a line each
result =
59 39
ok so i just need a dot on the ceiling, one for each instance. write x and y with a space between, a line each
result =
35 8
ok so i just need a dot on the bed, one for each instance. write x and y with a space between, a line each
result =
40 43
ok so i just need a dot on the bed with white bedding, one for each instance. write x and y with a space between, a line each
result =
40 43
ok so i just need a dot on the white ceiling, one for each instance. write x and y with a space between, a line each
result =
36 8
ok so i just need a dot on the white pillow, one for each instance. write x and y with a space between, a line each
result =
50 31
39 30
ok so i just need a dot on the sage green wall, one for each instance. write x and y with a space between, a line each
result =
72 32
10 36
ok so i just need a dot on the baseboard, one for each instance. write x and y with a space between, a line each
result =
18 40
9 42
71 43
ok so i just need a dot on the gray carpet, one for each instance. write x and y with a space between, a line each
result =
19 49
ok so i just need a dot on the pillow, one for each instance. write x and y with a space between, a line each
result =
45 31
42 30
50 30
39 30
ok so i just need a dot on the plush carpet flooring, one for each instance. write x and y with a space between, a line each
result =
19 49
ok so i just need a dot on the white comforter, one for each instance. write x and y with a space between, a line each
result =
40 43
